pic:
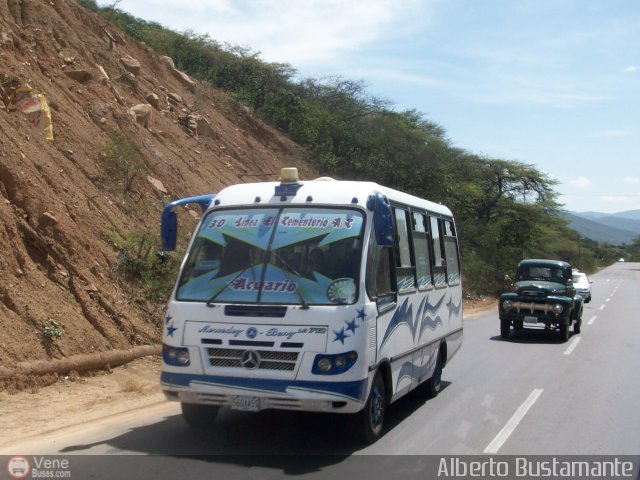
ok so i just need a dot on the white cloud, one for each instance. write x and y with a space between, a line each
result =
580 182
631 180
394 75
291 31
632 68
620 202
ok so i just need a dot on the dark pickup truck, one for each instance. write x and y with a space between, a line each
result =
543 295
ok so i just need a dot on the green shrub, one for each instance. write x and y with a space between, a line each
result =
141 261
122 165
52 330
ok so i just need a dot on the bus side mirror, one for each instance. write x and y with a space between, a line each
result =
169 219
382 219
169 230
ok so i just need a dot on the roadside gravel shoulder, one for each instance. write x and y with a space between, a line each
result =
71 401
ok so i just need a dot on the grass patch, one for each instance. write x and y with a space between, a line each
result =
131 385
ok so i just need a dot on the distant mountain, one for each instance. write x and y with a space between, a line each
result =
590 215
632 214
612 228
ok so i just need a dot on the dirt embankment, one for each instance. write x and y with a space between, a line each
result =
130 133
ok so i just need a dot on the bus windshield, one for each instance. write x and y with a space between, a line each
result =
291 255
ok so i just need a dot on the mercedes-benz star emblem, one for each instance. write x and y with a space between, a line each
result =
252 332
250 359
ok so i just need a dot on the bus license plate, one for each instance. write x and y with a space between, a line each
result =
246 403
530 319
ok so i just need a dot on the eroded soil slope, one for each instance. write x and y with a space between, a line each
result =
130 133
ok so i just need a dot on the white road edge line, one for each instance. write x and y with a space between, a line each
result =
574 342
592 319
513 422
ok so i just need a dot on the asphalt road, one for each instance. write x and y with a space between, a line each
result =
529 395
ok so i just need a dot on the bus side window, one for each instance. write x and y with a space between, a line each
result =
438 260
422 251
383 274
451 253
405 270
380 276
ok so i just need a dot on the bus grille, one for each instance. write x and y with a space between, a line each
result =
268 359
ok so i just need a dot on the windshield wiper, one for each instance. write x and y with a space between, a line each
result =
213 299
253 275
288 268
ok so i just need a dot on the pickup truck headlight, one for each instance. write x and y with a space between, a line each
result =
557 309
507 305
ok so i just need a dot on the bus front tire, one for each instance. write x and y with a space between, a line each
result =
199 416
371 417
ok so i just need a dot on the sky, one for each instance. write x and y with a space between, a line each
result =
550 83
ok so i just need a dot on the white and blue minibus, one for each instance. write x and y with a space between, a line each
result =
321 295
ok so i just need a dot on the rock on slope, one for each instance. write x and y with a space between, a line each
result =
63 201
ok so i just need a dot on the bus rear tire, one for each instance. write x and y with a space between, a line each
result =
370 419
434 384
199 416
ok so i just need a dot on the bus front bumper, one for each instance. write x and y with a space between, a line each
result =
253 394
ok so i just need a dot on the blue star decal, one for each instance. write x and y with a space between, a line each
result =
171 330
168 318
340 336
351 325
361 314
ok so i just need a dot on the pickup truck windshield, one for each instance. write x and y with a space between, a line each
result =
543 272
294 255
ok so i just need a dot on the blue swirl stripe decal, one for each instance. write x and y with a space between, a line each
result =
425 318
406 372
453 308
402 315
411 371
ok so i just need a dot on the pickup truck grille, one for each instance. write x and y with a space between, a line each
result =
533 306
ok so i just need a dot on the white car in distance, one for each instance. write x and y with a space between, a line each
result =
582 284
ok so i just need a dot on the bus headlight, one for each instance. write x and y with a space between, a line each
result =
324 365
176 356
334 364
